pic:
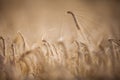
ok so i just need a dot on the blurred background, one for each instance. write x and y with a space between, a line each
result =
48 18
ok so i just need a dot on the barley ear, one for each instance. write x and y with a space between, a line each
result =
77 25
2 44
19 44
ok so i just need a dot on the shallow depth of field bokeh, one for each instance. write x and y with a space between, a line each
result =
59 40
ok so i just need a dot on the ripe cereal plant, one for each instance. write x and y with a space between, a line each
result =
80 30
19 44
55 61
33 59
60 52
79 62
2 58
7 68
93 61
3 45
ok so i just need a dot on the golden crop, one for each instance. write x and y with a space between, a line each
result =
55 61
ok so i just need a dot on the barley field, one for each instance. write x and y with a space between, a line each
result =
56 61
59 40
53 61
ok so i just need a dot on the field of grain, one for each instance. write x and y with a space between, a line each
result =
81 59
59 40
